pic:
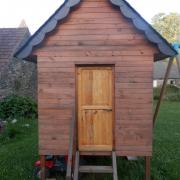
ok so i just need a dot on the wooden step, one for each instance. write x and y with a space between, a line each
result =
95 169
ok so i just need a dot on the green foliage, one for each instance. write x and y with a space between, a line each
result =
168 25
17 106
16 129
172 93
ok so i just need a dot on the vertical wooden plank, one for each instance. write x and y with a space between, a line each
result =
113 108
76 108
71 146
115 175
87 128
43 171
79 112
97 125
109 127
76 168
148 167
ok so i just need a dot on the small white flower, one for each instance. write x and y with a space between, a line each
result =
132 158
14 121
26 125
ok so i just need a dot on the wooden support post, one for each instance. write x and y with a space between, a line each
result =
76 168
148 167
114 165
162 90
72 146
43 171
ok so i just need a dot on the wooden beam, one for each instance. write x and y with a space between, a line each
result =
148 167
43 170
162 90
114 165
95 169
76 168
71 144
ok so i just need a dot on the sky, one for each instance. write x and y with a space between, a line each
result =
36 12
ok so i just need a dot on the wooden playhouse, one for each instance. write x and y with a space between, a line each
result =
95 73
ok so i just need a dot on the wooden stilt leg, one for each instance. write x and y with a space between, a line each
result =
115 174
148 167
43 175
76 168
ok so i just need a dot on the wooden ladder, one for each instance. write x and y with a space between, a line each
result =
95 169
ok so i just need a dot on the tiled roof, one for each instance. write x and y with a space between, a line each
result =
10 40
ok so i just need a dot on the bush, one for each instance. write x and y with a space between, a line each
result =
17 106
172 93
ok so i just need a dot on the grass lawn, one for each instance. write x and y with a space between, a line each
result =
17 155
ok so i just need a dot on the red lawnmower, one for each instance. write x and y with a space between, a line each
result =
53 165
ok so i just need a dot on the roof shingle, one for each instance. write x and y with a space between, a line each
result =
11 39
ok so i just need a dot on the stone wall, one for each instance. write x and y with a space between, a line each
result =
19 78
16 76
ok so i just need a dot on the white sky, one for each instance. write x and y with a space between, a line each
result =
36 12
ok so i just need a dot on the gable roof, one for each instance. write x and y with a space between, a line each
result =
160 68
166 50
10 40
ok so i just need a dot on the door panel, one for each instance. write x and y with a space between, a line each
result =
95 108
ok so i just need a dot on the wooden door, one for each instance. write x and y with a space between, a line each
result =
95 108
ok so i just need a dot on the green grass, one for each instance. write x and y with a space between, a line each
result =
166 157
18 154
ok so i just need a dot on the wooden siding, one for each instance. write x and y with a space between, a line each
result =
96 33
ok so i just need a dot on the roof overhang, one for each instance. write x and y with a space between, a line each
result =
165 48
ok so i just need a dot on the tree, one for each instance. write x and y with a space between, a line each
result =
168 25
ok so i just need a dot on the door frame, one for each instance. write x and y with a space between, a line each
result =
113 97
